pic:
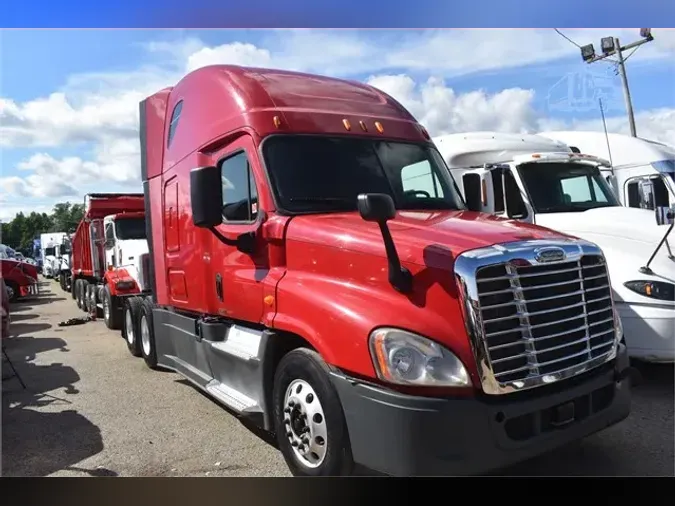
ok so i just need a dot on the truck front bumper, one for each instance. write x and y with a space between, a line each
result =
649 331
403 435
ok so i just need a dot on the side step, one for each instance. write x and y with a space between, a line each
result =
232 398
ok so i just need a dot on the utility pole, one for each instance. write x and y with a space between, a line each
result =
612 46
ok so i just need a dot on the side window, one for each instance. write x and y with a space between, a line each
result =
515 206
240 195
633 193
109 234
498 191
175 116
420 181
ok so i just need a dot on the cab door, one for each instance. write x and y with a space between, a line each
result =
237 276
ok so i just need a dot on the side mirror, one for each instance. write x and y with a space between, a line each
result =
665 215
206 196
377 207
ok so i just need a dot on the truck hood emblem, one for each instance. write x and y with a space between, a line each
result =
549 254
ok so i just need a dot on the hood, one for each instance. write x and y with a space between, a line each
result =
413 232
131 250
627 236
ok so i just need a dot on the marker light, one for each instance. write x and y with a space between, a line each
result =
379 127
363 126
277 121
347 125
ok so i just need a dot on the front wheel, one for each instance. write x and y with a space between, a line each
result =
309 422
111 314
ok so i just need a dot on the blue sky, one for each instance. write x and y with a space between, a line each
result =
55 150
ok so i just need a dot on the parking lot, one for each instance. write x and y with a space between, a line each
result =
91 409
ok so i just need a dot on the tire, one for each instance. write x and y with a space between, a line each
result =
86 296
304 369
13 290
73 288
111 314
132 324
147 334
62 281
79 287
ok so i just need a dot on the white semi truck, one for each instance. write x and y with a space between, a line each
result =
50 253
542 181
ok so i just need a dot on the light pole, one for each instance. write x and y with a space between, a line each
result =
611 46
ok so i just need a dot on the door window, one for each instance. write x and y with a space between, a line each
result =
240 195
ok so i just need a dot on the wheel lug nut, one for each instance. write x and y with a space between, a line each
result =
287 410
306 441
294 443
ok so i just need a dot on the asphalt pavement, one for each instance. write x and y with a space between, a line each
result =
91 409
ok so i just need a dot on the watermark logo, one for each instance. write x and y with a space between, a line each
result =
581 92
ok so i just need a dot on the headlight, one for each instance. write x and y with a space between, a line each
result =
658 290
405 358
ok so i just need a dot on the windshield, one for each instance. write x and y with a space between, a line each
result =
50 251
324 174
565 187
130 228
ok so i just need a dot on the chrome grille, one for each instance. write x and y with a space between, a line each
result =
538 320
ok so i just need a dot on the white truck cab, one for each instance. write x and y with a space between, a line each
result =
542 181
125 244
642 172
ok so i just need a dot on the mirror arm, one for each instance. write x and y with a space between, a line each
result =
399 277
646 269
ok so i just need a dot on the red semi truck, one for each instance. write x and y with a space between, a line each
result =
108 254
300 276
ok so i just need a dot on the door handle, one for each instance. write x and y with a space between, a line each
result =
219 287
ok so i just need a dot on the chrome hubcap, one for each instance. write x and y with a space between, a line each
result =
106 309
145 336
129 326
305 423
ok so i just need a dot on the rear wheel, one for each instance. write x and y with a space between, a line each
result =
147 333
111 313
73 289
309 422
13 292
62 281
79 288
132 321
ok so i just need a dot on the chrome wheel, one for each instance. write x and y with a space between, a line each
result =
10 292
106 309
305 423
129 326
145 336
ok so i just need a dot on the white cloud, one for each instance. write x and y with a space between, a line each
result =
99 111
441 110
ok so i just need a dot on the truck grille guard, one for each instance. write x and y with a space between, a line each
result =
537 312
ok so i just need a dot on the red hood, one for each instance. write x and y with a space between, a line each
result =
413 231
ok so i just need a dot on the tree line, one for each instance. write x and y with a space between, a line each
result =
20 232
